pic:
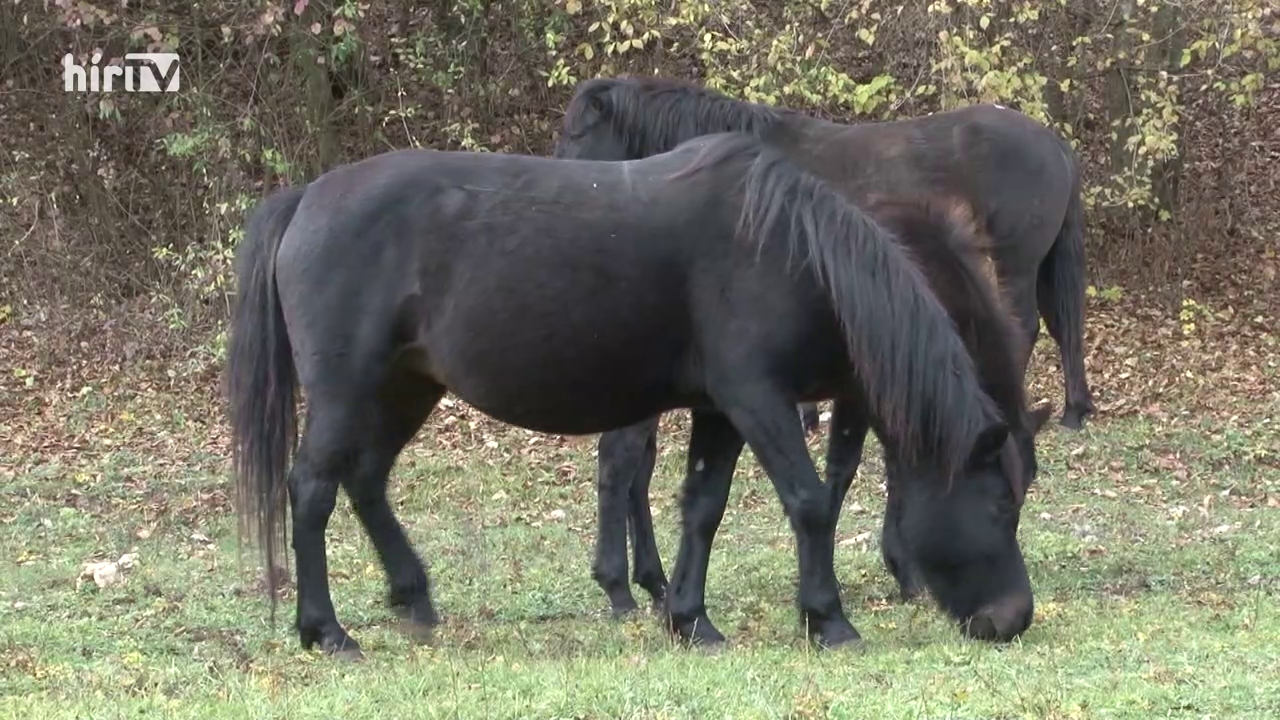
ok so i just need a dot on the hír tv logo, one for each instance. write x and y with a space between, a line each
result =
141 72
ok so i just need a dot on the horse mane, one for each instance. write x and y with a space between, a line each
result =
961 273
915 370
653 115
963 277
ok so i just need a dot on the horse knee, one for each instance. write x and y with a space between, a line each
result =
312 499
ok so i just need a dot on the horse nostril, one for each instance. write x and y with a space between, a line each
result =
1002 620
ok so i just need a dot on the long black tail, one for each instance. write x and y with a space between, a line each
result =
262 383
913 366
1061 294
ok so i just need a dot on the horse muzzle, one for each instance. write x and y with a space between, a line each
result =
1002 620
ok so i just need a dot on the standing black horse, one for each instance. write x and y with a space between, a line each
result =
575 297
1018 178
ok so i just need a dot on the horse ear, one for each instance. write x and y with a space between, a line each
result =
986 449
596 104
1039 416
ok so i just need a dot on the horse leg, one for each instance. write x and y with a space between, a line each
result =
767 421
403 406
809 417
1079 401
714 447
647 562
892 547
1023 301
621 461
327 452
844 452
353 445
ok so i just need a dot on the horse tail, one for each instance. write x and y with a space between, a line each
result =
917 375
1062 287
262 383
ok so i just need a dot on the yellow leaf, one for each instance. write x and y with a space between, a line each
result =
984 21
573 7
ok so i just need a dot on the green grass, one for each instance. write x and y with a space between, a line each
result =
1152 548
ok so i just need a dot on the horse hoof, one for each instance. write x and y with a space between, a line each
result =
331 640
838 635
344 649
623 609
699 634
621 602
709 648
1073 418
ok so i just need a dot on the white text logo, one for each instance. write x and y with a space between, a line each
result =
140 72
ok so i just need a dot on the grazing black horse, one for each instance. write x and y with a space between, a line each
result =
1016 176
974 302
575 297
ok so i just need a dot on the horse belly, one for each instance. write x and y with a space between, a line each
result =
557 368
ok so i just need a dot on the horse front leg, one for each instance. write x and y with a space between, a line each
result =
767 422
714 447
849 428
892 545
809 417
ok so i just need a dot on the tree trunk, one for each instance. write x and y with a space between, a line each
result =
312 64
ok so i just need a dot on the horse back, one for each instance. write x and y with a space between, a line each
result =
477 270
1007 167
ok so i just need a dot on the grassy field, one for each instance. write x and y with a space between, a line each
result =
1152 543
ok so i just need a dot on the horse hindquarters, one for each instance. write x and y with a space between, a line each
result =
366 399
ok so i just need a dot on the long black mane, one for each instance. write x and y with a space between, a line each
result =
915 370
959 276
654 115
957 266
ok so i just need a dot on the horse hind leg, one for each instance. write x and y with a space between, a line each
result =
353 443
1022 303
403 405
647 563
327 453
1061 299
1068 333
626 461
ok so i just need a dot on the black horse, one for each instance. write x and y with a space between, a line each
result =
576 297
1018 177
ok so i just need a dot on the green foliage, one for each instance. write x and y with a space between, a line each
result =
1110 294
1116 79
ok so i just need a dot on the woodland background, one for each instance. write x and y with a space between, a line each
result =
119 212
1150 535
